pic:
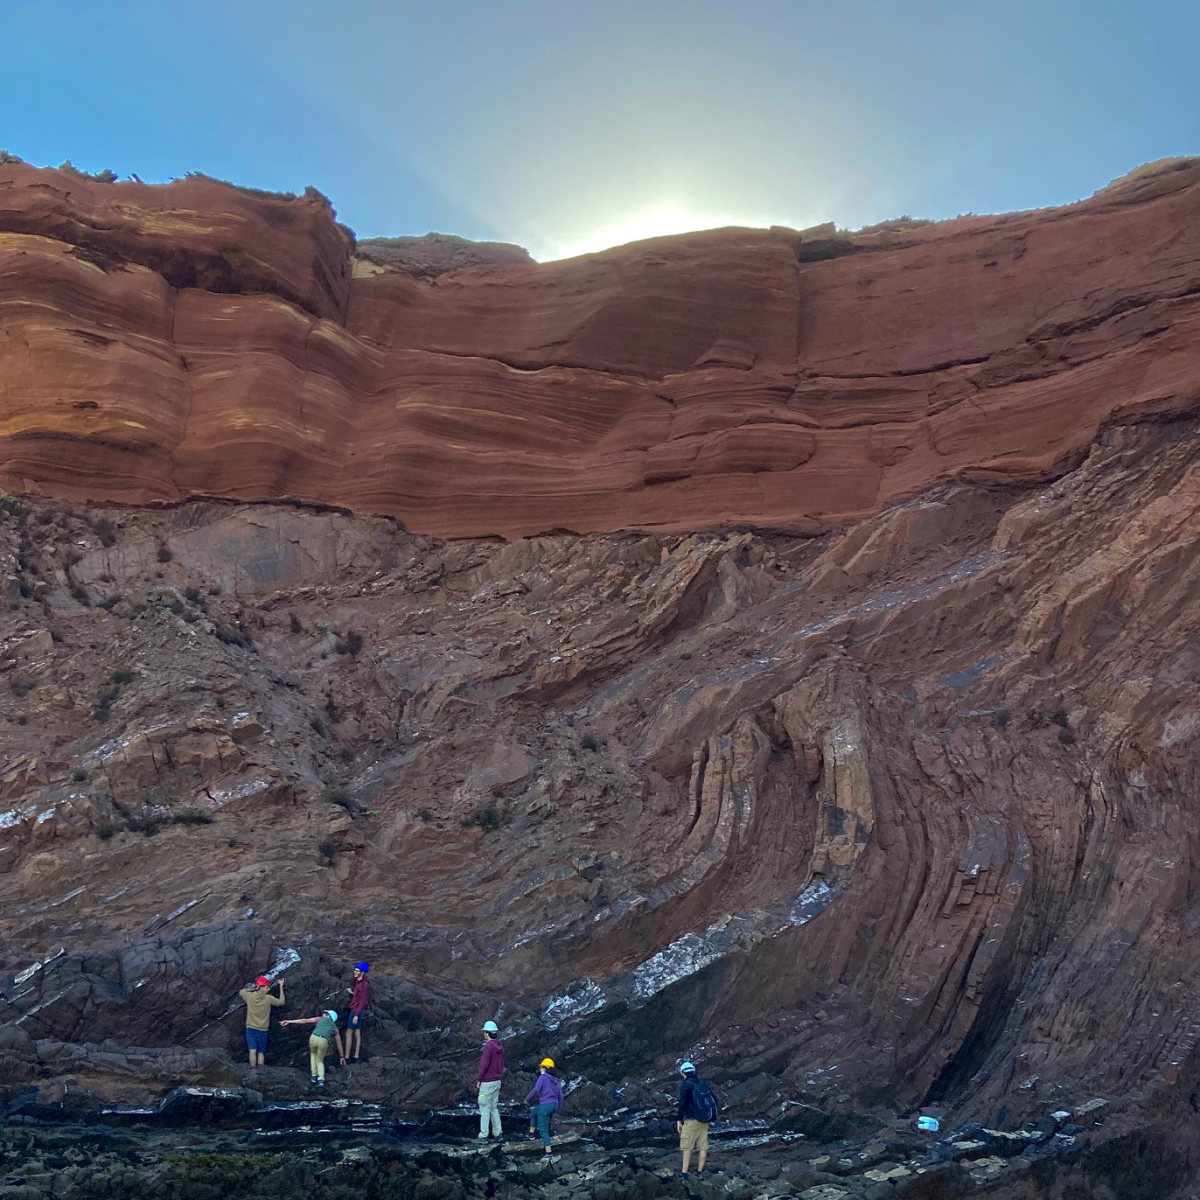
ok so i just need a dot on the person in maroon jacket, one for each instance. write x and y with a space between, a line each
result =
360 997
491 1072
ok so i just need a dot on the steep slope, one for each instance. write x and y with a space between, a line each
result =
900 814
852 753
197 339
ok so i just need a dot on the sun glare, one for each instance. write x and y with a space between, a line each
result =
653 222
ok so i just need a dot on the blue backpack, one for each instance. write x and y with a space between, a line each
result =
704 1103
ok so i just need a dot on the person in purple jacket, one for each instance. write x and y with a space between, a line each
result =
491 1072
544 1100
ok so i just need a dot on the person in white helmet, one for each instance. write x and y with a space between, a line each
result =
491 1073
697 1108
318 1043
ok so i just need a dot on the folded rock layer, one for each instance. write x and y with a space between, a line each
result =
159 342
900 814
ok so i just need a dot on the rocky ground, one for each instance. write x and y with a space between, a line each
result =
229 1143
898 815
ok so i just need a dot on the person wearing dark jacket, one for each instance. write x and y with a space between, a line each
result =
360 997
693 1132
544 1099
491 1072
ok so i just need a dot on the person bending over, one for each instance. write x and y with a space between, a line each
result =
325 1031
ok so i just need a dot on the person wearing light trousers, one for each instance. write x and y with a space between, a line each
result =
491 1073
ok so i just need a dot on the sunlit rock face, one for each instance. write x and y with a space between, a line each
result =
862 815
195 338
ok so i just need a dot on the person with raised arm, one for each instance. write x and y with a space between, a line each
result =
259 1002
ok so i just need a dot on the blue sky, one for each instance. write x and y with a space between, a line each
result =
566 126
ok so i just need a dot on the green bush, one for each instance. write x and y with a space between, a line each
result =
488 819
233 636
105 530
351 644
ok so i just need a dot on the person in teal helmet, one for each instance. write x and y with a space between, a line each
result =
325 1030
487 1083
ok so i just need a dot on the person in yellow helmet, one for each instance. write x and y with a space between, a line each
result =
544 1100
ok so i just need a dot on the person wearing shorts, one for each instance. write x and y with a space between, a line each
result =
693 1133
259 1002
360 997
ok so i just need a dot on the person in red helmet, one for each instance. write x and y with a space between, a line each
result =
360 997
259 1003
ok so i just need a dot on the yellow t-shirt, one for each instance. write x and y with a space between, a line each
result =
258 1007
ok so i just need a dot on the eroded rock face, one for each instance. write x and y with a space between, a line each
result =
194 338
868 815
895 815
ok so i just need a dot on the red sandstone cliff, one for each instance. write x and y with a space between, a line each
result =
895 811
194 338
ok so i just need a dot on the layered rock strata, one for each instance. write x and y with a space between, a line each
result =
898 815
196 339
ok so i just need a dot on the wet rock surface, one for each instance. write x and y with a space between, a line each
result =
245 1148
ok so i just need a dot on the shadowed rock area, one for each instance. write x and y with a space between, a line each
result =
870 817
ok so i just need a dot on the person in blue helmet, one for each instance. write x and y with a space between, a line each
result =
360 997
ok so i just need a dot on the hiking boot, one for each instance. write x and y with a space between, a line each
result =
312 1079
